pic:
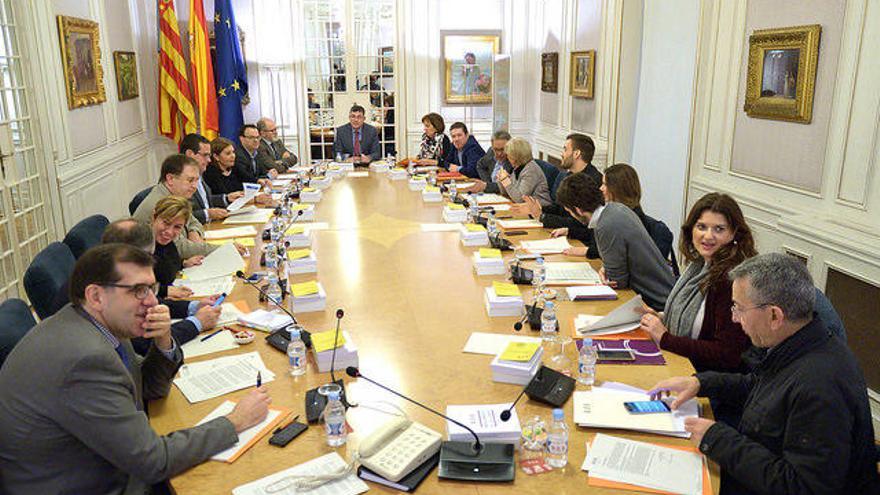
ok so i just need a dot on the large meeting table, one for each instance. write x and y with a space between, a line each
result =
411 300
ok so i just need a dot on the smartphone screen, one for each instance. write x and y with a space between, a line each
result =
616 355
647 407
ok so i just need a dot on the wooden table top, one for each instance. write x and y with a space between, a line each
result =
411 301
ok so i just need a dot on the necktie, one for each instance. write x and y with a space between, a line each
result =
123 355
357 142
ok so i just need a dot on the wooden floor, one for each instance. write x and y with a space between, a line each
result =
411 301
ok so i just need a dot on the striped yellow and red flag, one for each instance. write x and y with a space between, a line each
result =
175 104
205 97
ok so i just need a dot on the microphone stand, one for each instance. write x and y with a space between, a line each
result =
316 398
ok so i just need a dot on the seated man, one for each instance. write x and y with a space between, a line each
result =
71 391
247 167
629 256
806 425
179 177
272 150
206 205
465 151
356 142
491 163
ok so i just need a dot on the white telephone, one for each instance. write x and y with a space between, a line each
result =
398 447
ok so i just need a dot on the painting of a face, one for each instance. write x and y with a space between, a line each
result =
469 64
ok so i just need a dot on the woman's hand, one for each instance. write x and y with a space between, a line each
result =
562 232
193 261
575 251
652 324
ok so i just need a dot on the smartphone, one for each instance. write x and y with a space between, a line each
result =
647 407
616 355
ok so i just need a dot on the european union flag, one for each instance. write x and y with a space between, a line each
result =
230 75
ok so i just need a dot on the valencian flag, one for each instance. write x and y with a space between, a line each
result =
204 94
230 75
175 104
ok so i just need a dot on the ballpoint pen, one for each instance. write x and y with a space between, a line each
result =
206 337
219 300
259 379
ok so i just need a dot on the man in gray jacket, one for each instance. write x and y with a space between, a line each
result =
72 390
629 256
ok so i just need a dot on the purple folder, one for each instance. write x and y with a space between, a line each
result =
645 351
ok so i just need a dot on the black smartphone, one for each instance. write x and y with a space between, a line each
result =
616 355
285 435
647 407
515 232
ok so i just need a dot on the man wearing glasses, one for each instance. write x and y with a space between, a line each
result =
272 150
806 424
247 167
71 391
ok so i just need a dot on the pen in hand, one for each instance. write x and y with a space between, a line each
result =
219 300
259 379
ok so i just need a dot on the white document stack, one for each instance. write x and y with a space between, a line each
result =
346 355
344 166
475 238
212 378
485 420
432 194
503 305
309 264
398 174
488 266
379 167
334 172
320 182
417 183
313 196
307 215
266 321
516 372
302 240
454 215
309 303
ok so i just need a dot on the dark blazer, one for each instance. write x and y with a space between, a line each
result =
168 263
248 169
806 424
214 201
75 424
219 183
485 166
470 153
343 142
270 153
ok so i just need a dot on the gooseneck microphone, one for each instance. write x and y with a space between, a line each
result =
355 373
505 414
528 314
339 314
240 274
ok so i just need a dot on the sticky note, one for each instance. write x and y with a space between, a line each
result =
246 241
295 231
474 227
454 206
519 351
304 289
504 289
490 253
323 341
296 254
319 177
432 189
308 189
300 206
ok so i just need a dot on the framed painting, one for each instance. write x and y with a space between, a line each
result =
468 65
583 65
781 75
81 60
126 75
550 72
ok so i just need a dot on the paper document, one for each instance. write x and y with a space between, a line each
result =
281 483
591 293
230 312
247 438
602 407
246 231
358 175
243 210
520 224
249 194
493 343
623 318
488 199
567 273
223 341
259 215
554 245
207 287
646 465
208 379
225 260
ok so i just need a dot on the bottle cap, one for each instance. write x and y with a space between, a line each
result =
294 333
548 305
558 415
333 395
586 343
539 259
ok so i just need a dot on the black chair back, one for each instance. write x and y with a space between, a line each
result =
15 321
138 199
46 275
86 234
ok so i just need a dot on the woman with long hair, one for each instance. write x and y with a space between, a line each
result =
435 144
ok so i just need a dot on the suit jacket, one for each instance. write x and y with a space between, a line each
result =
186 247
270 153
199 206
74 423
484 169
248 170
343 142
528 180
470 155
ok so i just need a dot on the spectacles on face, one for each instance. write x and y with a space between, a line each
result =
139 291
738 312
270 130
251 137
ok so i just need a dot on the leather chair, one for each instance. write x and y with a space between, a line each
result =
15 321
46 275
86 234
138 199
550 173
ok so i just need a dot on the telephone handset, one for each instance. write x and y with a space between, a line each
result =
398 447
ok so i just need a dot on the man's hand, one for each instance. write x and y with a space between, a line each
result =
193 261
454 168
194 236
534 207
519 209
157 326
365 158
179 292
697 427
478 187
351 159
208 316
250 410
684 388
652 324
560 232
207 301
264 199
217 213
265 182
285 155
575 251
272 173
234 195
502 176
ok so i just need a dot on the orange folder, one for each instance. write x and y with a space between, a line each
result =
284 413
602 483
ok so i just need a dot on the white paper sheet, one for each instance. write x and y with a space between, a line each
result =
223 341
223 261
259 215
564 272
244 437
554 245
279 484
488 199
520 224
493 343
602 407
207 287
587 292
246 231
249 194
623 318
208 379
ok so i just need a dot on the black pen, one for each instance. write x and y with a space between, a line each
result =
259 379
206 337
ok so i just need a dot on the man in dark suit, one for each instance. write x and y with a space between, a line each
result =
71 392
358 141
272 150
493 161
247 168
206 205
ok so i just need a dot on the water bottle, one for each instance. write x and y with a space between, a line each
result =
271 255
587 358
557 441
538 279
334 421
273 291
491 224
473 210
296 352
432 178
548 322
339 157
453 189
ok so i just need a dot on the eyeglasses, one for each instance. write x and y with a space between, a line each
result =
736 310
140 291
250 137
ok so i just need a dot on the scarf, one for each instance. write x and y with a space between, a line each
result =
431 148
685 299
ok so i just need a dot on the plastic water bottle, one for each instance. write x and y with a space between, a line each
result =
453 189
491 224
334 421
473 211
271 255
273 291
587 358
557 441
538 275
296 352
548 322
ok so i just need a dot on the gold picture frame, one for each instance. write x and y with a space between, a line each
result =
81 60
125 65
781 77
550 72
468 61
583 68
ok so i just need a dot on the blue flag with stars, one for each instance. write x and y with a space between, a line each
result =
230 75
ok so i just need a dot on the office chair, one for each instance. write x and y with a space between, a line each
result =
85 234
138 199
46 275
15 321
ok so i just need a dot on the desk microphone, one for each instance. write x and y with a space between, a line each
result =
240 274
339 314
315 402
530 310
505 414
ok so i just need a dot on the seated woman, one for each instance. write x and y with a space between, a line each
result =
697 321
169 218
218 175
435 145
527 178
